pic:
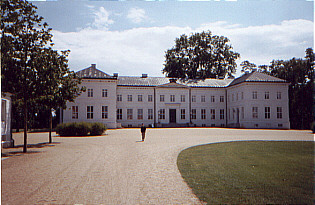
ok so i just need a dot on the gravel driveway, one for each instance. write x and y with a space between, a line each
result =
112 169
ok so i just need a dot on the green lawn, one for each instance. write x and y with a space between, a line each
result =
255 172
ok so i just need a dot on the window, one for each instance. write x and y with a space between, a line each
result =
90 92
279 112
255 112
162 98
75 113
182 98
212 113
104 93
221 114
119 98
129 114
172 98
182 114
119 114
233 113
213 98
236 96
254 94
140 114
266 95
150 98
150 114
280 125
278 95
267 112
242 95
229 114
203 98
104 112
203 114
89 112
162 114
139 98
193 98
221 98
242 113
193 114
232 97
129 98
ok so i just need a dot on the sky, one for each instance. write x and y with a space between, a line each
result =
131 37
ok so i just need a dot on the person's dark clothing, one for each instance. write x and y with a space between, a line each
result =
143 128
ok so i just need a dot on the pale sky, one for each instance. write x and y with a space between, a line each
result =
131 37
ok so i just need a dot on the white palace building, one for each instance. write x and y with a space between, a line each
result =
254 100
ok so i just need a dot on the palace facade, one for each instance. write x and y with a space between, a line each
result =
254 100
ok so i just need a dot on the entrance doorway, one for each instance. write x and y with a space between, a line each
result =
172 115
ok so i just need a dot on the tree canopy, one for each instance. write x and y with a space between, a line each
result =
199 56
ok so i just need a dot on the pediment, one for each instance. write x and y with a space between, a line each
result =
173 85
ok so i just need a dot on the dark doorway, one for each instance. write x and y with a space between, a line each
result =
172 115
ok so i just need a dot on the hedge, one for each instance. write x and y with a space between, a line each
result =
80 129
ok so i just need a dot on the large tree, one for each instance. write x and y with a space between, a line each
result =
199 56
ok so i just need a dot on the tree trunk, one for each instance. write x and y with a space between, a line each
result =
25 127
50 125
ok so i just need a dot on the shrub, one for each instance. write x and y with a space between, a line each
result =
97 128
80 129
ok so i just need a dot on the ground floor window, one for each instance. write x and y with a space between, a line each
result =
193 114
162 114
212 113
140 114
255 112
89 112
119 114
75 113
203 114
104 112
267 112
182 114
150 114
129 114
221 114
279 112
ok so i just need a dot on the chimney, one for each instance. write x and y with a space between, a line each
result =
93 66
144 75
115 75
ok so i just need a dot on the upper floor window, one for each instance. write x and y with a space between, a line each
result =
221 98
267 95
89 112
193 98
232 97
203 98
182 98
162 98
254 94
104 112
236 96
75 112
129 98
278 95
172 98
242 95
213 98
119 98
104 93
90 92
150 98
139 98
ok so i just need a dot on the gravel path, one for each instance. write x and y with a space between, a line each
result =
112 169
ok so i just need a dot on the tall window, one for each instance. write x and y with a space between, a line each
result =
255 112
279 112
193 98
182 114
182 98
150 114
242 113
129 98
254 94
139 98
89 112
119 114
193 114
129 114
221 114
75 112
203 114
140 114
162 98
236 96
232 97
267 112
213 98
266 95
212 114
119 98
203 98
162 114
150 98
172 98
242 95
90 92
104 112
104 93
221 98
278 95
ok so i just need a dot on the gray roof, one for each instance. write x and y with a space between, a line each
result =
256 77
92 72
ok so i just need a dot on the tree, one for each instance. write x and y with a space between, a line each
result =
247 66
200 56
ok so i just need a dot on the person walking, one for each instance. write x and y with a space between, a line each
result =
143 129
